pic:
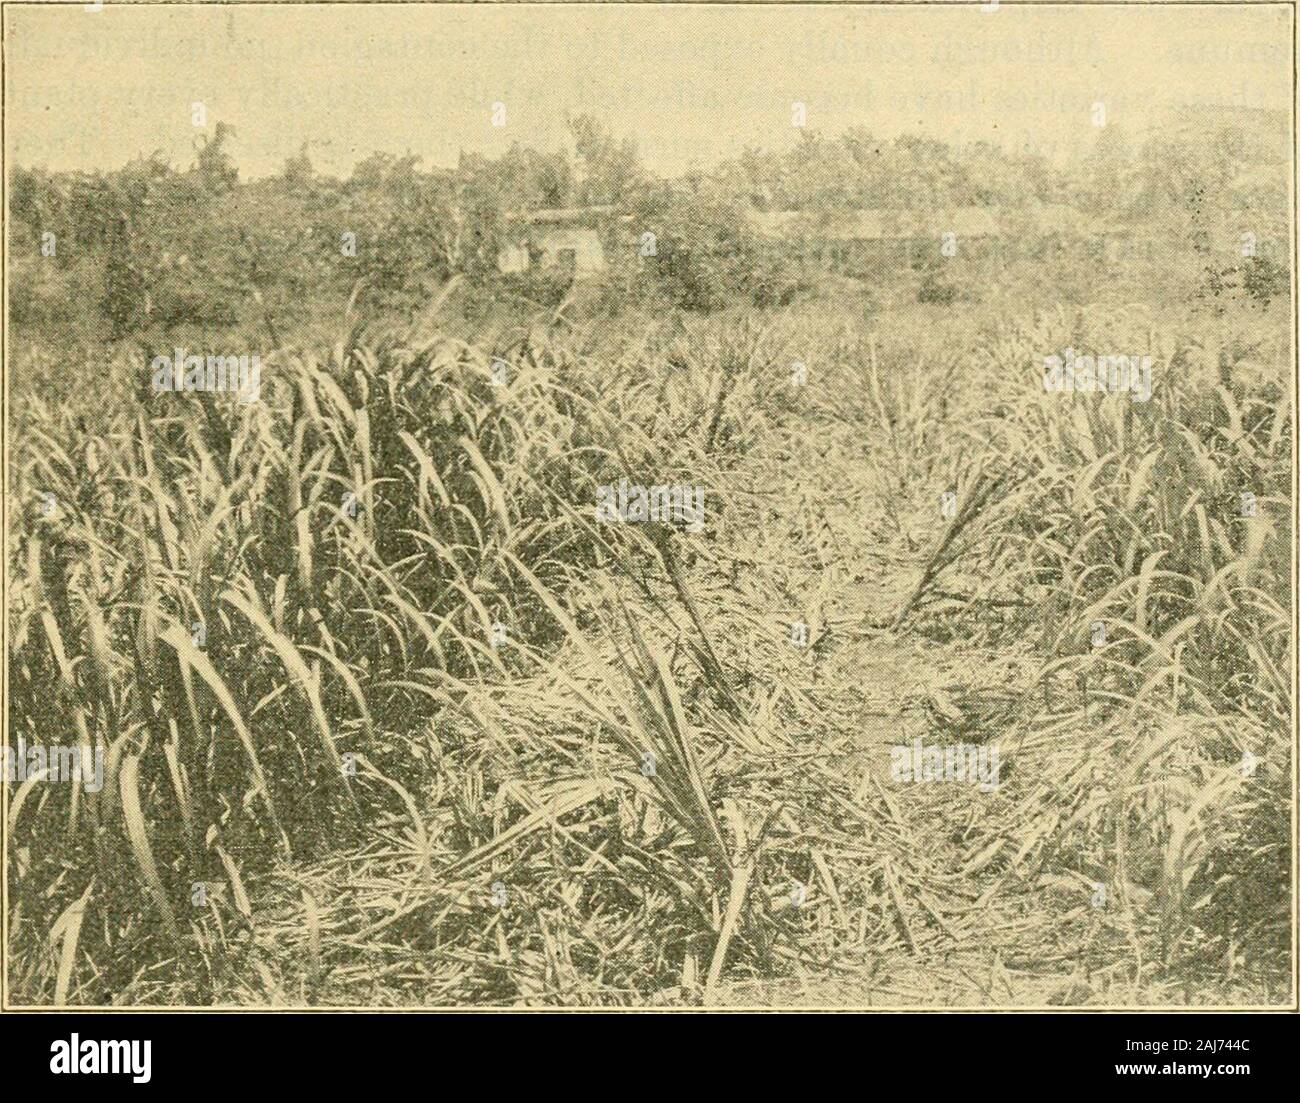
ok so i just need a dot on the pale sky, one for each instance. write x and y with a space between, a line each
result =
691 85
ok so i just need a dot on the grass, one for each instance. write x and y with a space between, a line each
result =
388 718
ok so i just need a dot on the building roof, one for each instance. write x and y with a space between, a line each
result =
562 216
878 225
901 225
1059 218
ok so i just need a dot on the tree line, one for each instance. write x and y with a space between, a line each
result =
151 246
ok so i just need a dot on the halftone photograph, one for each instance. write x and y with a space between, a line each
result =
648 506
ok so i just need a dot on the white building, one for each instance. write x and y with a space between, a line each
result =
561 240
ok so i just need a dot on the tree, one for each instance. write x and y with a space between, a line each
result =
608 170
215 167
298 172
155 214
